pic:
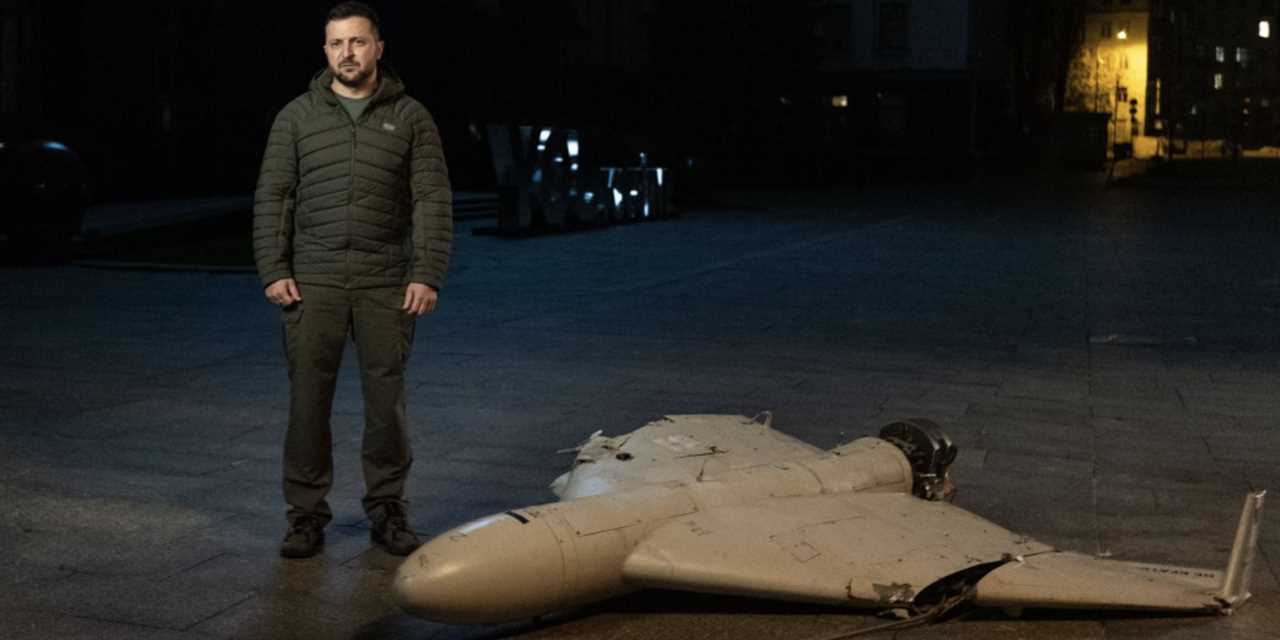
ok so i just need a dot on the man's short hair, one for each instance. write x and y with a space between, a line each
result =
344 10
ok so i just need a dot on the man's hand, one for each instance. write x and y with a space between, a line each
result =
419 298
283 292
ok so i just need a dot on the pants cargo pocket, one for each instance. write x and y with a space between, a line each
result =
290 330
409 327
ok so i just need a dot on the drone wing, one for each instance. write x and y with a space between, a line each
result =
897 551
1074 581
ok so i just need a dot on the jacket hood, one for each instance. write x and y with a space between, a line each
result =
390 86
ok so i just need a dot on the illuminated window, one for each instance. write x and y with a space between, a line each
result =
840 101
1242 55
1220 54
1264 29
1217 81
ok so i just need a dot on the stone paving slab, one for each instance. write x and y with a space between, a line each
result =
141 413
38 625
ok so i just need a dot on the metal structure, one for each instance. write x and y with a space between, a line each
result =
727 505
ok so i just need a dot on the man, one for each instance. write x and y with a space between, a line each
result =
353 227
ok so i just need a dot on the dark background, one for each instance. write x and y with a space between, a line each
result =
164 98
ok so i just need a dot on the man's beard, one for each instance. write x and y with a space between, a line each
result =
354 82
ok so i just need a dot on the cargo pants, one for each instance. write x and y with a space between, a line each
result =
315 333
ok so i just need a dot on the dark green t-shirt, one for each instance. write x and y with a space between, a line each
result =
354 106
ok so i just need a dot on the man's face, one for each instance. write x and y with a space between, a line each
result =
353 50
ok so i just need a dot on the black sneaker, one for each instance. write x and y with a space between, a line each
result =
391 529
304 538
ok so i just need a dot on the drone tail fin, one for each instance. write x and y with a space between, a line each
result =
1236 579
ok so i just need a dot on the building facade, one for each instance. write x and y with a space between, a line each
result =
1109 74
1214 74
903 81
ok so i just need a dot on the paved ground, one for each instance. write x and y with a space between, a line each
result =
1106 360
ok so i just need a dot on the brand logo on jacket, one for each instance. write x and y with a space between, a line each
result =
388 126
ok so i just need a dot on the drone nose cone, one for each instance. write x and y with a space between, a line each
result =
499 568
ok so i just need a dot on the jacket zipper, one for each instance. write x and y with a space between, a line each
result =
351 194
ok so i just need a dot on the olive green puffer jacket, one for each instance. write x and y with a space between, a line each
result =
353 204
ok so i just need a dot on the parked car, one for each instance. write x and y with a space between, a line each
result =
45 188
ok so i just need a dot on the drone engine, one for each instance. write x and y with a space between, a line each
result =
930 453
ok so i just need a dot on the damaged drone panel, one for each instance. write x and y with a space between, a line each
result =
679 449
